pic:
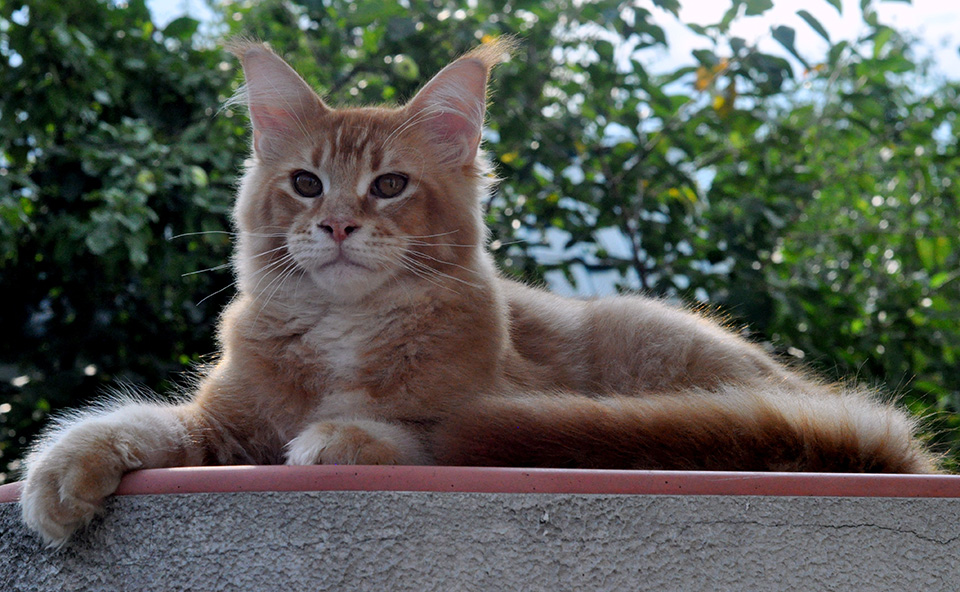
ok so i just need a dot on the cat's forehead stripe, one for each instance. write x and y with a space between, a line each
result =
376 155
350 142
319 151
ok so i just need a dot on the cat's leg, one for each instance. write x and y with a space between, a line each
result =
79 462
355 442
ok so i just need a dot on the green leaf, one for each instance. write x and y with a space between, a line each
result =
728 17
814 24
100 239
368 12
706 57
880 40
137 249
672 6
758 7
787 36
399 29
182 28
838 4
198 176
942 278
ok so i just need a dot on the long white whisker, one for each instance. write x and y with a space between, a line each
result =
227 232
435 272
427 244
202 232
268 251
421 273
441 261
223 289
280 280
415 236
282 261
215 268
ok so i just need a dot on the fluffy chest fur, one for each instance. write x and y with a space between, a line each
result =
342 342
397 357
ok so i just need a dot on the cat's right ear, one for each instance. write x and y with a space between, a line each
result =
282 105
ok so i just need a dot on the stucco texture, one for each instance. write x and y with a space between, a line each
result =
473 541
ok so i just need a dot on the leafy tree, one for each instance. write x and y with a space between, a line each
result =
111 147
813 202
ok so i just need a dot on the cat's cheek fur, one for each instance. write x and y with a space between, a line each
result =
355 442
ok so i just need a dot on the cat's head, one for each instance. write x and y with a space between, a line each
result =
348 200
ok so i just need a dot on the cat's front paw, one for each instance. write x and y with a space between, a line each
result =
358 442
67 481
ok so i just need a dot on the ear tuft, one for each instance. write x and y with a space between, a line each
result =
452 105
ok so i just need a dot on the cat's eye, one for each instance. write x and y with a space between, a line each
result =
389 185
307 184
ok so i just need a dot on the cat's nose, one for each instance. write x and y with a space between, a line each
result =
338 228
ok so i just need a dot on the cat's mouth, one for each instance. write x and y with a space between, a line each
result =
342 260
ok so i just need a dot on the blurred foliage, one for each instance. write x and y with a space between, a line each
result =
810 197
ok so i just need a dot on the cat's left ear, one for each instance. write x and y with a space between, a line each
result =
453 103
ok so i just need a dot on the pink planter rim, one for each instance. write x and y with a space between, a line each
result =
514 480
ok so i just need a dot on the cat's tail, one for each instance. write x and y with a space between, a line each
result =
733 429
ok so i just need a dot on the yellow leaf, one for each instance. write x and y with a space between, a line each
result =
509 157
731 96
704 78
718 102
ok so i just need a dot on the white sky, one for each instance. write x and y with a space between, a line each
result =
935 22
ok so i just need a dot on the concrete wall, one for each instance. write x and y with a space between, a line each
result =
343 540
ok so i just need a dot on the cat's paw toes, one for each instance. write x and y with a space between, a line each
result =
348 443
66 485
52 512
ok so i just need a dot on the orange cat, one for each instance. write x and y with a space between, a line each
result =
371 327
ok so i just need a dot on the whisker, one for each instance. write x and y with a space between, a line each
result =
216 268
227 232
441 261
201 232
426 244
422 274
436 272
415 236
268 251
270 267
280 280
223 289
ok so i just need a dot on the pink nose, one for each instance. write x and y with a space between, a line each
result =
338 228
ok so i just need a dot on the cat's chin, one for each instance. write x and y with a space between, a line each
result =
345 282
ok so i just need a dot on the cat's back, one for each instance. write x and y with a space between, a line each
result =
627 344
